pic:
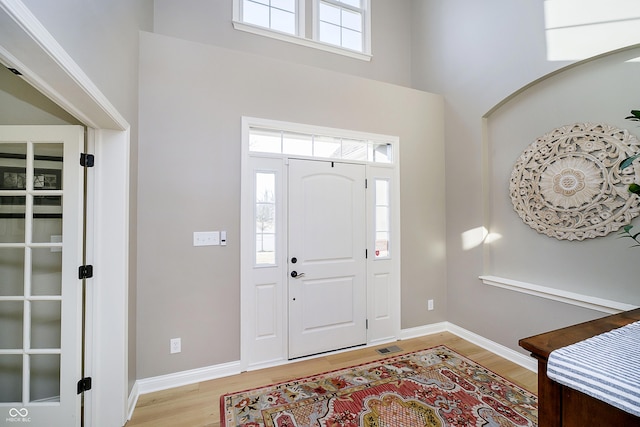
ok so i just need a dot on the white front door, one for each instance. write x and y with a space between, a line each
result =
40 252
326 256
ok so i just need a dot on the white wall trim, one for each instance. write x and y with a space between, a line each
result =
133 400
164 382
580 300
178 379
502 351
64 82
300 41
420 331
27 46
514 356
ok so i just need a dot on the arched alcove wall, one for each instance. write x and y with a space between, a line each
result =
599 90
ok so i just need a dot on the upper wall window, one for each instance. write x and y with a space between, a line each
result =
339 26
341 23
277 15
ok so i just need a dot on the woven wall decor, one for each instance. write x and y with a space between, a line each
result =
568 184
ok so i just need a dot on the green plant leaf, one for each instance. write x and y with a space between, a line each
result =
634 188
628 161
635 115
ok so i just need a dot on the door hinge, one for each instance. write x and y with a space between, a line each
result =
85 272
366 254
87 160
84 385
366 323
366 183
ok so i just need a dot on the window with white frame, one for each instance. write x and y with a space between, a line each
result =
277 15
265 216
341 23
318 145
382 189
340 26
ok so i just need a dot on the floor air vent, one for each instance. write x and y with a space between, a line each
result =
387 350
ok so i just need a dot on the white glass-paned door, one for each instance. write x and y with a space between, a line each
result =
40 251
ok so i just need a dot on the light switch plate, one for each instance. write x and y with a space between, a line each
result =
206 238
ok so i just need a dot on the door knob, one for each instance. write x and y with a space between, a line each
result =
295 274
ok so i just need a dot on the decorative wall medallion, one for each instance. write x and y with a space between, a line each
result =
568 184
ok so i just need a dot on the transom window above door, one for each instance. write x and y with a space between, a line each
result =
278 141
339 26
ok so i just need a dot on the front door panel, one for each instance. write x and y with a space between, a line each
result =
327 263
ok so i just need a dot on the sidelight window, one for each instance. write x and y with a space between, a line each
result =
265 218
382 218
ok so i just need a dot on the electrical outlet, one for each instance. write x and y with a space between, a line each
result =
430 304
176 345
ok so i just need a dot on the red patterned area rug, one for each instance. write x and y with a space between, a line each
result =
434 387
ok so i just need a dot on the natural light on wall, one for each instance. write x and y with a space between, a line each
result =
579 29
477 236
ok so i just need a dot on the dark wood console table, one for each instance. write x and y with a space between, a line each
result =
560 406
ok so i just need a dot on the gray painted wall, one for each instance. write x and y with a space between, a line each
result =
209 22
595 92
476 54
192 98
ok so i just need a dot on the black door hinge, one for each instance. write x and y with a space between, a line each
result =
366 324
85 272
87 160
84 385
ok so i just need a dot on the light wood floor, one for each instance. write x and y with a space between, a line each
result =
198 405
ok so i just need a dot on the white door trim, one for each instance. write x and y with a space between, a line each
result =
27 46
263 328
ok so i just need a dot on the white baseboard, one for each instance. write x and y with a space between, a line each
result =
421 331
523 360
133 400
502 351
178 379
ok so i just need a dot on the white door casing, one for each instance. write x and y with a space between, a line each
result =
327 240
27 46
264 287
48 355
